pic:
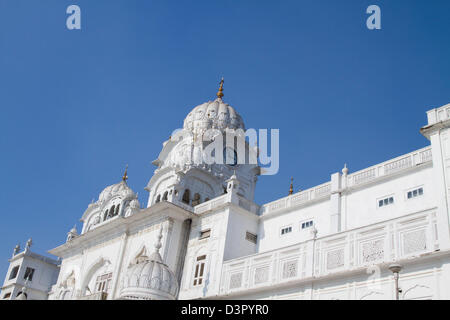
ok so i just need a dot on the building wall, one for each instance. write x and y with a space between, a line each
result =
213 247
239 223
269 233
360 207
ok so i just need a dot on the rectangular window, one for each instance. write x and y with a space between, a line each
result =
205 234
103 282
14 272
307 224
286 230
199 270
385 202
29 272
251 237
415 193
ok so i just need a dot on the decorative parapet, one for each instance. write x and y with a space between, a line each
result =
390 167
317 193
439 115
211 204
354 250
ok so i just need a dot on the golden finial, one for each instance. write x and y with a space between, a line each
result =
125 175
220 92
291 189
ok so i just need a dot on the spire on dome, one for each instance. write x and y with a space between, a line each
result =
291 188
158 244
125 176
220 92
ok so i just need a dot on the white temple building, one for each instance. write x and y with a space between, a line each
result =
201 235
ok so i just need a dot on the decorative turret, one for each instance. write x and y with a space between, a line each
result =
150 278
233 183
72 234
345 170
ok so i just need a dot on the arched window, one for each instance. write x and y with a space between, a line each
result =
166 194
186 196
196 200
111 211
158 198
117 209
105 216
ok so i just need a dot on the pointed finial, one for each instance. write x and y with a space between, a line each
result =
16 249
220 92
158 244
291 189
125 176
29 243
345 170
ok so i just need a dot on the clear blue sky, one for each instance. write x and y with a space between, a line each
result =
77 106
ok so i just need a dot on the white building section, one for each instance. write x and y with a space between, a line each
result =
201 235
30 276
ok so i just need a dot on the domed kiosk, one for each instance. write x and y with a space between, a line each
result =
149 278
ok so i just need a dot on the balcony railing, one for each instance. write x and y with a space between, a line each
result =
392 240
390 167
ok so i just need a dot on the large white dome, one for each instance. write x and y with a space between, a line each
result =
213 115
118 189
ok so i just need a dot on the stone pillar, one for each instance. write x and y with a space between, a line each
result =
439 142
438 132
335 203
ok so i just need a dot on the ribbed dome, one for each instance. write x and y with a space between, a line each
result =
213 114
150 279
120 188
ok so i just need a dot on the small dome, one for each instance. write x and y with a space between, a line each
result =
213 115
120 188
150 279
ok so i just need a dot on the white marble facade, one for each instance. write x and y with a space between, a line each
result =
202 236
